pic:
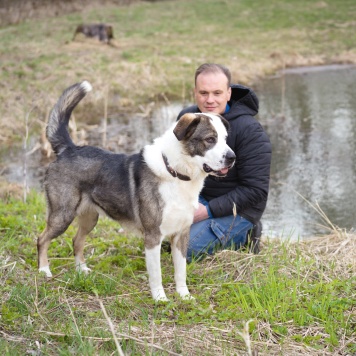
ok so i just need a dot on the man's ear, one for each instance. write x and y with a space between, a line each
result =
229 92
186 126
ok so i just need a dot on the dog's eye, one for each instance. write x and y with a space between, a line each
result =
210 139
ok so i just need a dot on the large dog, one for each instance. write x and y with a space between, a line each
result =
156 190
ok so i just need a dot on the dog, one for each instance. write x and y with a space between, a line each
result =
156 190
101 31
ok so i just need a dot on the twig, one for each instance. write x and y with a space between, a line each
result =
245 334
231 225
36 303
319 210
127 336
73 317
9 264
12 338
111 326
52 333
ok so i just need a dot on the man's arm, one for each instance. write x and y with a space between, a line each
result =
201 213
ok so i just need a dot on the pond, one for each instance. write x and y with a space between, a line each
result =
310 116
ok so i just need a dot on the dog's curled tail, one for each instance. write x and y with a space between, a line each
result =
57 127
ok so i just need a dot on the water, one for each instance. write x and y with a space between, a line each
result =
310 116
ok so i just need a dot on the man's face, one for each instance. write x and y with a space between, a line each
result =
211 92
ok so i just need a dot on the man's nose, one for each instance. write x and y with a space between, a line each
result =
210 98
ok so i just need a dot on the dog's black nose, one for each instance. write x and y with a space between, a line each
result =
230 157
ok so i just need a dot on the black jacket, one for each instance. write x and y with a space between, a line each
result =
247 183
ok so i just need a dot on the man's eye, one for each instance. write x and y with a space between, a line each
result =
210 139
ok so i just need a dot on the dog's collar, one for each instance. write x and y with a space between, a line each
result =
172 171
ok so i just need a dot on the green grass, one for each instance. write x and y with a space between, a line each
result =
297 299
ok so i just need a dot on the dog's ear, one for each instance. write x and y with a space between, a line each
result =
225 122
186 125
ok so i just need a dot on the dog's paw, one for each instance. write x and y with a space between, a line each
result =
184 293
46 271
83 268
159 295
187 297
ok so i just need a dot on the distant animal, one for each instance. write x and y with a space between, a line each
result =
156 190
101 31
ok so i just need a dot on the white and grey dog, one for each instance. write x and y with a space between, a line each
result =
156 190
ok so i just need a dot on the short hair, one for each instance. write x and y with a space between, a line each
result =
213 68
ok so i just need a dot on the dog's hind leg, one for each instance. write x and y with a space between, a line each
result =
86 224
179 245
56 225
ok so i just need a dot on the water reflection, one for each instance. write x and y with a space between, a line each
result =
310 117
129 134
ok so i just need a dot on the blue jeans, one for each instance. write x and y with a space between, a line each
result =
208 236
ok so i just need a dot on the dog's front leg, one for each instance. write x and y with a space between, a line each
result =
153 264
179 252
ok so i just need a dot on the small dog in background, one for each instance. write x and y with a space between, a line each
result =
155 190
104 33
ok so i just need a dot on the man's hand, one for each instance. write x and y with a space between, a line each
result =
201 213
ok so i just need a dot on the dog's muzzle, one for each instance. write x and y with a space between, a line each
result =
229 161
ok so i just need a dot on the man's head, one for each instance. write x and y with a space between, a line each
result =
212 87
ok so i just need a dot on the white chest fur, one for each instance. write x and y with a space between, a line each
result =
180 200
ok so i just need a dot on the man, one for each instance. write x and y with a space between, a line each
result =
231 207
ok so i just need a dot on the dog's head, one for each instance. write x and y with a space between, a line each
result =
203 137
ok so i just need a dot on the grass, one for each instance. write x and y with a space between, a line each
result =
157 47
292 298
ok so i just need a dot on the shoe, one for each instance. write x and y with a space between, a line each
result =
254 238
